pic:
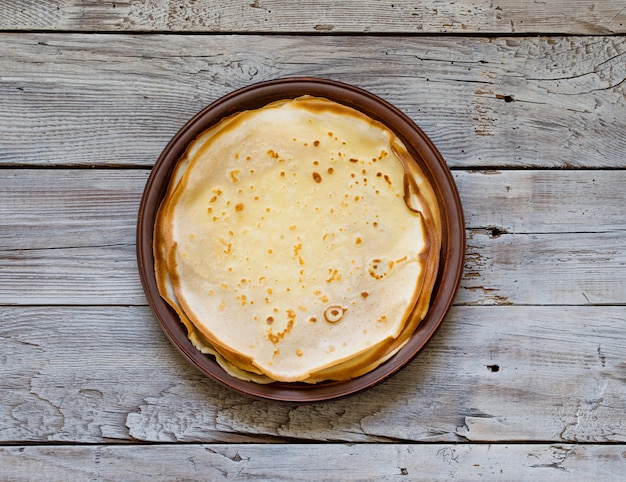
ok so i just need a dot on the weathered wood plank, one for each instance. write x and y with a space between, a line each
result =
83 371
98 374
538 269
569 269
400 16
50 209
54 208
502 102
104 274
536 201
534 237
546 383
316 462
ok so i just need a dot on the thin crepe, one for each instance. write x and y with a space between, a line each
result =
298 242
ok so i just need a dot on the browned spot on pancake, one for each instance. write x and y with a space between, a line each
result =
239 207
374 269
243 299
277 337
316 177
364 294
333 275
227 245
217 193
334 313
296 252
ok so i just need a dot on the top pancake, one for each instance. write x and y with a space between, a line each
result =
298 239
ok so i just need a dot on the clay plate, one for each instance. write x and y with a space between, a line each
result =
422 149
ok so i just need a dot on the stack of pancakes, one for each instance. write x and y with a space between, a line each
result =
298 242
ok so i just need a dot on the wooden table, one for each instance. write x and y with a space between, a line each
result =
526 379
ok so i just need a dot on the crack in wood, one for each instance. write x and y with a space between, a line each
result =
97 454
601 356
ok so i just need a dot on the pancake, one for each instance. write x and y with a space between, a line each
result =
298 242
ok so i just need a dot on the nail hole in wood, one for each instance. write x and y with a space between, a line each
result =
496 232
505 98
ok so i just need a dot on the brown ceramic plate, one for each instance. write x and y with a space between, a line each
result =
422 149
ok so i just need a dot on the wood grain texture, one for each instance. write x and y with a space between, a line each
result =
542 202
63 208
76 208
525 380
505 374
556 269
538 237
315 462
103 100
399 16
563 269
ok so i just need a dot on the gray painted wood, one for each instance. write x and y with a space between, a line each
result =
398 462
511 373
325 16
524 380
538 237
565 269
116 100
